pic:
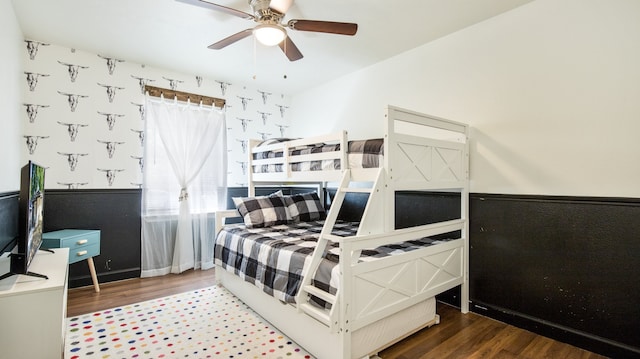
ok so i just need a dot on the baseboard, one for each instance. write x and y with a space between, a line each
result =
83 281
567 335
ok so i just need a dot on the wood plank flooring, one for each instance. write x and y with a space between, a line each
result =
114 294
457 336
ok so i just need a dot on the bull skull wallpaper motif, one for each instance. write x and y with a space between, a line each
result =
72 69
140 109
223 87
32 79
264 95
282 110
32 142
32 110
73 185
111 119
140 136
75 133
111 146
72 159
72 129
111 63
173 84
32 48
110 174
72 99
111 91
142 82
244 101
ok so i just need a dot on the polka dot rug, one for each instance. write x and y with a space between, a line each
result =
205 323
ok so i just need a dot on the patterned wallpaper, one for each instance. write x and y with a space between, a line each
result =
83 116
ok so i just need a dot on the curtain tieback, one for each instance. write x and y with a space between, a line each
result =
184 195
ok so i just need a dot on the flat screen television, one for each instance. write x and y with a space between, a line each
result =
30 219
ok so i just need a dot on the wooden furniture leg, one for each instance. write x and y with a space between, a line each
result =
94 277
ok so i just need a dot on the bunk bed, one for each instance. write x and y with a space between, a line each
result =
352 289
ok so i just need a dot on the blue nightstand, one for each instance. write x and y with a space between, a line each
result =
82 243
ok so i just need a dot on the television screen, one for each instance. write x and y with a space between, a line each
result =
31 212
9 204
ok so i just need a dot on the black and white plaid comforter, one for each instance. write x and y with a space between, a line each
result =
272 258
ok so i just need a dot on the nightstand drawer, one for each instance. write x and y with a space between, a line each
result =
82 253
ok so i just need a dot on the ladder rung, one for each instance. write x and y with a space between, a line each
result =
317 292
356 190
317 313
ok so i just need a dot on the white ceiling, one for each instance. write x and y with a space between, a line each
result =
174 36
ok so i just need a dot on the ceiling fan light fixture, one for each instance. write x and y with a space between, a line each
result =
269 34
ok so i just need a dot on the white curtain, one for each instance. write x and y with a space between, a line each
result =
184 183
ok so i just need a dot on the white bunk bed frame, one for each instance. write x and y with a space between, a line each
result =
378 302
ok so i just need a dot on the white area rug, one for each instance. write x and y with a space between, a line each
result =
206 323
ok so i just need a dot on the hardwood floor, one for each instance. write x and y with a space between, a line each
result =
474 336
457 336
114 294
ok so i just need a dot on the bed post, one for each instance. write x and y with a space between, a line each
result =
464 204
346 287
390 193
251 187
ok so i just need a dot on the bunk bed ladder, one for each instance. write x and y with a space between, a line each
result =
307 289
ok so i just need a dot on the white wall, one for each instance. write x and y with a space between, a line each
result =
11 44
551 90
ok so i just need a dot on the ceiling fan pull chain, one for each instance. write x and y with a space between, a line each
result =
255 58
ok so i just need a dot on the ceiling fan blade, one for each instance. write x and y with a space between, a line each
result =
231 39
224 9
340 28
290 49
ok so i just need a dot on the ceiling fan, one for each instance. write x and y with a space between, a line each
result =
270 30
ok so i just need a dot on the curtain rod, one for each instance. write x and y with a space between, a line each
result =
184 96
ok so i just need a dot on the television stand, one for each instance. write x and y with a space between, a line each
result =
17 261
31 274
31 306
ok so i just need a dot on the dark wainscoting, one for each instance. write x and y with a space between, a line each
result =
564 267
116 213
412 208
9 206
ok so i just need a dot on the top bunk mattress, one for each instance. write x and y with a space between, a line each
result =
360 154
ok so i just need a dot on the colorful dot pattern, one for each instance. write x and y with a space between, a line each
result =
206 323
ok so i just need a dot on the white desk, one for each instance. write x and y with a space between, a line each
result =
33 310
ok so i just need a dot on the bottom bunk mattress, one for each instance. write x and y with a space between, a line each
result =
272 258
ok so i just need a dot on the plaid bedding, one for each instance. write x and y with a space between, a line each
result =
361 154
272 258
